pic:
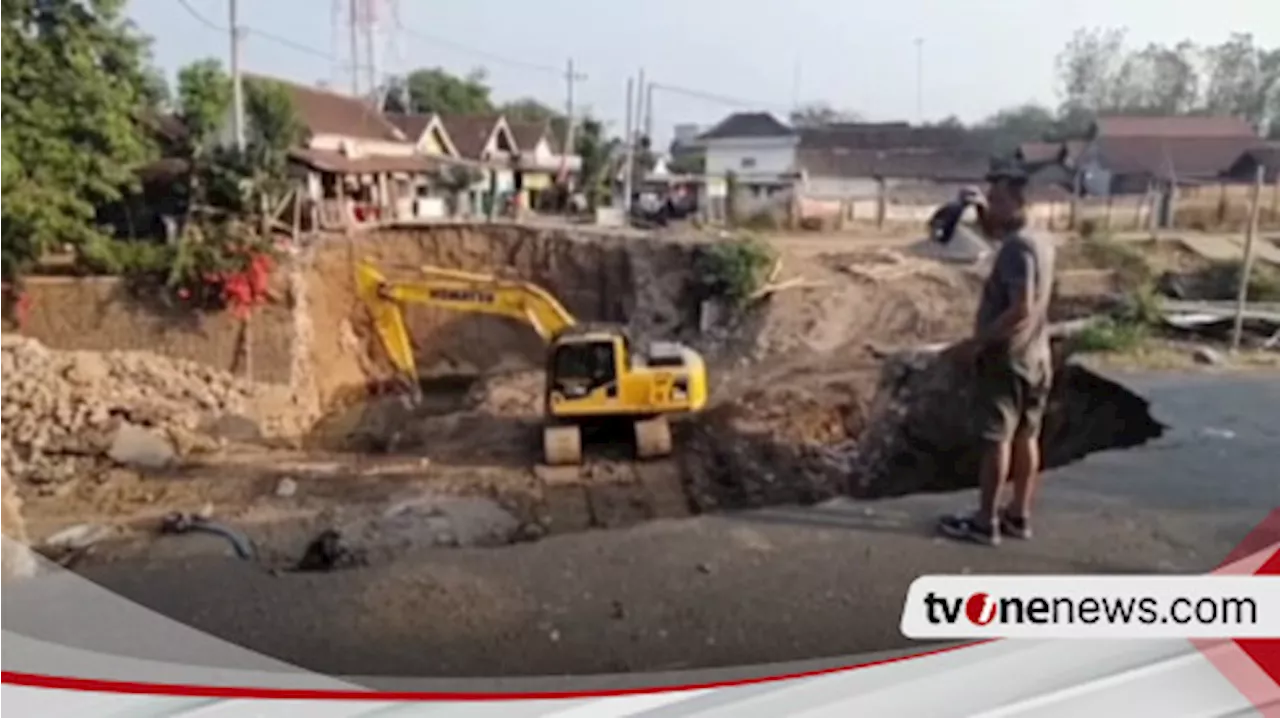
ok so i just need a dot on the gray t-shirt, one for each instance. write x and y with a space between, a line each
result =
1022 261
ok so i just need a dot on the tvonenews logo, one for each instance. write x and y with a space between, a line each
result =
1093 607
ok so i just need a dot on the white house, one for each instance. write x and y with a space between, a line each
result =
756 147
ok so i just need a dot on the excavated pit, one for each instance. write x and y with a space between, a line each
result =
800 412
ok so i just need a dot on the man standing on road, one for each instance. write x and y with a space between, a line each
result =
1010 354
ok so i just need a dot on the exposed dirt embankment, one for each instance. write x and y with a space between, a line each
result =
100 314
638 282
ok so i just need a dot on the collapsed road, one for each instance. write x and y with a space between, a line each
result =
843 456
774 584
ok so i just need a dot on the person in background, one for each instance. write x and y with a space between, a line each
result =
943 222
1009 352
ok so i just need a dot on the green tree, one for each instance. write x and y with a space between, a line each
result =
1243 79
1013 126
75 77
527 109
438 90
817 114
204 97
1098 74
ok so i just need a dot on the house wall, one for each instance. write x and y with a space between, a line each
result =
841 187
335 143
428 144
769 156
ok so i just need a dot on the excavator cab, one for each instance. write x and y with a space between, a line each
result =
579 368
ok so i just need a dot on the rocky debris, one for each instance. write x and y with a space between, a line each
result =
136 446
286 488
66 413
233 427
78 537
17 559
1207 356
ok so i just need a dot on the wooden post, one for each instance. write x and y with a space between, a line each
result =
881 202
297 215
1275 200
1246 267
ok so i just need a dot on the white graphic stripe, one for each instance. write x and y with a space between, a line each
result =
621 706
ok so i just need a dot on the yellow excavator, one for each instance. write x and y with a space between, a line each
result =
593 372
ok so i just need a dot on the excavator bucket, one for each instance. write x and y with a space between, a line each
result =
388 320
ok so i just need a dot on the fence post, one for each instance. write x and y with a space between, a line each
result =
881 199
1246 267
1275 200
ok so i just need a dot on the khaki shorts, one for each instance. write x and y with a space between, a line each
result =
1009 402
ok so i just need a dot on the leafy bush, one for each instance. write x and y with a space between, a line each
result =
226 269
1127 261
733 270
761 221
1111 335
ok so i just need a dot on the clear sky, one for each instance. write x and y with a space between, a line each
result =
978 55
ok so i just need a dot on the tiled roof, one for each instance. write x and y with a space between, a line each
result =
1169 127
962 165
470 133
528 134
748 124
412 125
884 136
336 162
324 112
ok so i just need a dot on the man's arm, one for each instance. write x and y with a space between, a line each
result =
1018 270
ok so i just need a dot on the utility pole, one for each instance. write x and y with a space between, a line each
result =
795 85
629 163
237 82
642 92
569 119
648 112
919 80
354 10
371 48
571 76
1246 267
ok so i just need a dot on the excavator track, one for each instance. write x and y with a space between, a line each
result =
653 438
562 445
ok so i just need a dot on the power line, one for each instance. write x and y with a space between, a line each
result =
715 98
480 53
268 36
201 18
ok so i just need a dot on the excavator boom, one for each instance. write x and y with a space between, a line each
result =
458 291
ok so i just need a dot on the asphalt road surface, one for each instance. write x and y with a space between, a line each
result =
767 586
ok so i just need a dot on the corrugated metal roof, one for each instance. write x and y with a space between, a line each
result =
1173 157
1170 127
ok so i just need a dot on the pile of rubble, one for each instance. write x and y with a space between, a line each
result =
67 414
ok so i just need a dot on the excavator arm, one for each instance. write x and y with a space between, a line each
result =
457 291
